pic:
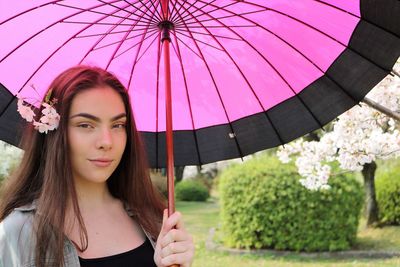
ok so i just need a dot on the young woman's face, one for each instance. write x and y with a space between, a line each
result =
96 134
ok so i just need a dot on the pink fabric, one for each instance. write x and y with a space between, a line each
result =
286 47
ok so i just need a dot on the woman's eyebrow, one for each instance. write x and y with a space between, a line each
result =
94 118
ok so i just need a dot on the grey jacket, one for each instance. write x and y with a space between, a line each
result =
17 240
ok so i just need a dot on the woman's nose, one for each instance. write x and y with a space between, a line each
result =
105 139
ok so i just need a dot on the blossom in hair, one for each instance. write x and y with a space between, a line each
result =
49 120
25 111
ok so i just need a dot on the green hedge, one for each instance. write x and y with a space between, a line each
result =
263 205
191 190
388 195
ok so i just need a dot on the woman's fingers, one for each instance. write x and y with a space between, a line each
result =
183 259
175 220
175 248
174 244
174 235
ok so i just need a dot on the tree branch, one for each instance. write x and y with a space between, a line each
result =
380 108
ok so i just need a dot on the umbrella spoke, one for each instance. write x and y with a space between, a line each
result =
295 49
216 35
205 43
101 23
188 99
188 47
117 32
149 19
27 11
122 41
277 72
128 38
92 11
41 31
218 8
224 17
172 18
159 50
151 43
159 16
100 39
138 50
48 58
138 43
183 17
218 92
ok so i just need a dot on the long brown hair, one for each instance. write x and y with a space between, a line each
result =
45 176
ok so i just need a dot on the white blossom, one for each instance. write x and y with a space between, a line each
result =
360 135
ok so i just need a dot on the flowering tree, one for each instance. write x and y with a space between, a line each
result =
358 138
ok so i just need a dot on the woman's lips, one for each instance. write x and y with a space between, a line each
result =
101 163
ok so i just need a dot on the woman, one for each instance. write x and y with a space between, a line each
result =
82 195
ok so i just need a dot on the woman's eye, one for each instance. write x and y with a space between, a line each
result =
85 126
120 126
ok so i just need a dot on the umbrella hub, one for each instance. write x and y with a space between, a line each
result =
165 26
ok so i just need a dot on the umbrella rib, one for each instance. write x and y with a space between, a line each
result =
189 47
159 47
230 26
318 1
138 43
219 95
91 11
27 11
109 33
159 16
348 94
132 5
151 43
45 61
188 99
183 17
209 12
308 25
98 41
281 13
177 11
216 35
138 51
39 32
280 75
249 84
172 14
116 42
202 42
122 41
101 23
224 17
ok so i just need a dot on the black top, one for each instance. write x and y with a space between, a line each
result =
140 256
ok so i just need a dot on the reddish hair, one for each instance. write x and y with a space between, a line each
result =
45 173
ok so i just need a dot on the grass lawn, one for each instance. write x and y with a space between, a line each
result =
200 217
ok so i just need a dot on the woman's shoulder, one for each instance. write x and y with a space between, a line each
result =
17 220
16 237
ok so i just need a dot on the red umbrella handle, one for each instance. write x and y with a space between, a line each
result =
168 106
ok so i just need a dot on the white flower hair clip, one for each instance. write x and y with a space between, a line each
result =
49 120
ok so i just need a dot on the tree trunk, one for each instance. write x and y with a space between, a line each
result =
179 173
371 206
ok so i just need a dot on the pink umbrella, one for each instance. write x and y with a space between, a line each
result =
246 75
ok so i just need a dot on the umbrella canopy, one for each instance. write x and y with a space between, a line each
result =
245 75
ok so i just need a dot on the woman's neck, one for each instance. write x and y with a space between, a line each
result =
93 196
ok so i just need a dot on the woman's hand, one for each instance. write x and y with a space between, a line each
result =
174 246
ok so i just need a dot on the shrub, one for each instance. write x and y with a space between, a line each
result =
160 182
388 195
191 190
263 205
